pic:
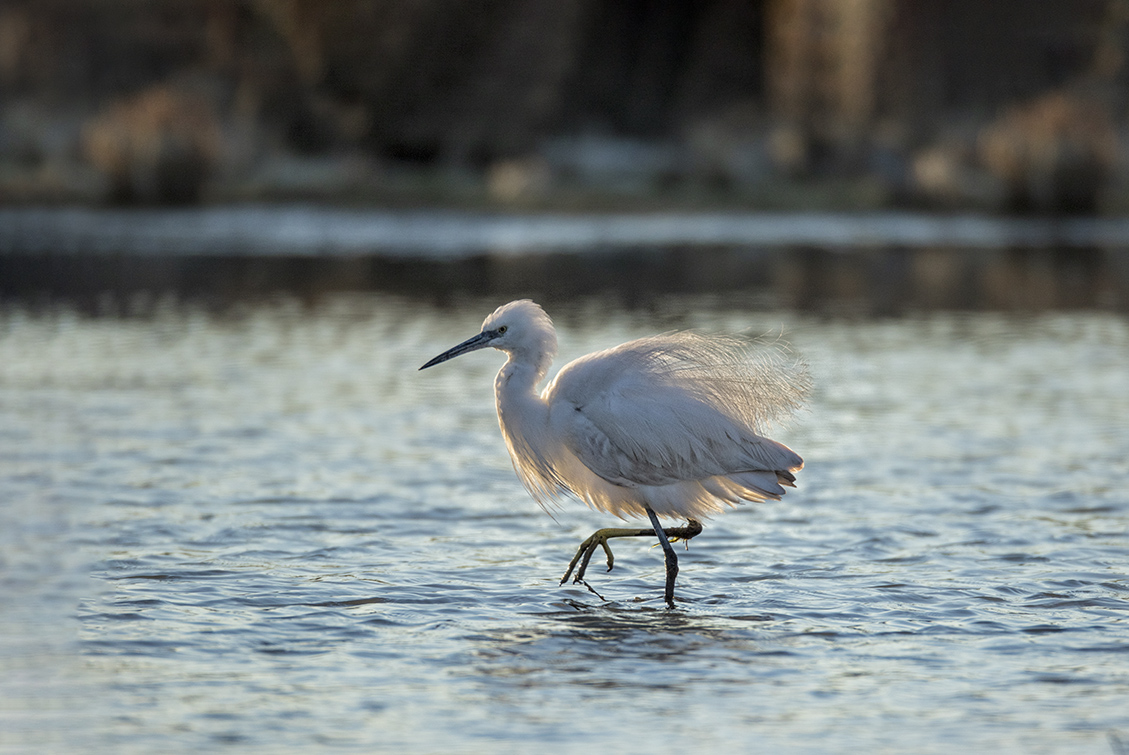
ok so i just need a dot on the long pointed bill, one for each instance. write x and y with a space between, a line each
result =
480 341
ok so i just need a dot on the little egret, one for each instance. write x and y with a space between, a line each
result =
666 426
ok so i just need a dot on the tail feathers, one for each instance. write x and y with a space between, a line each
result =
749 486
764 484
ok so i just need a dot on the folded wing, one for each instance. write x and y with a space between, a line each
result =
678 407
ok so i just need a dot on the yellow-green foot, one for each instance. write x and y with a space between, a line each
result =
599 539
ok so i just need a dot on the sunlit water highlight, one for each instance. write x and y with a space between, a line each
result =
265 530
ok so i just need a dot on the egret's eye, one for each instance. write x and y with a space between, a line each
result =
501 330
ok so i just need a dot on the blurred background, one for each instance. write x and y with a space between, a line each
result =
1013 105
227 147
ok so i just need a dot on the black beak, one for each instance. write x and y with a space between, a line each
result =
480 341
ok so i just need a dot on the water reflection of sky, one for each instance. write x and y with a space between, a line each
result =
881 264
303 230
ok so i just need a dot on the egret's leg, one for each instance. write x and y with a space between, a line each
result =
671 557
599 539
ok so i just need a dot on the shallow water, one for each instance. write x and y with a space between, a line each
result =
263 529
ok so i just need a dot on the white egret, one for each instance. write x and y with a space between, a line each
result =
666 426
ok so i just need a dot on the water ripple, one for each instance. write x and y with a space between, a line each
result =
261 532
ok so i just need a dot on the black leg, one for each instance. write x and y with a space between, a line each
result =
671 557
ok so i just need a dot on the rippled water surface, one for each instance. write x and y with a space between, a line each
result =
265 530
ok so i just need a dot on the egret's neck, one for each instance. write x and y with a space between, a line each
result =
518 378
524 419
520 408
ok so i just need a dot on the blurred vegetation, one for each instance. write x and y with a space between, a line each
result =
1008 105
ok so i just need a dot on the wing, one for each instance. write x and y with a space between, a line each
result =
676 407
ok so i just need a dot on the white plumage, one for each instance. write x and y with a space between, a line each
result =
663 426
672 421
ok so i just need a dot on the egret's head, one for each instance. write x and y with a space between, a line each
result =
520 328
